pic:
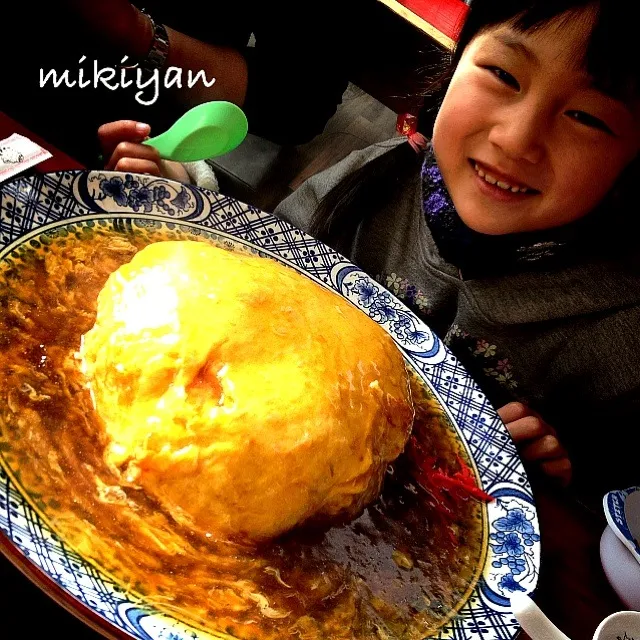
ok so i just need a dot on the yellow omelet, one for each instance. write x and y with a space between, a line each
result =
244 397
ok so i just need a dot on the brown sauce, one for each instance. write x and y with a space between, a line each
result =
392 573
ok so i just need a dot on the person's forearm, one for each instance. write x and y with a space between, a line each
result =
133 36
226 65
175 171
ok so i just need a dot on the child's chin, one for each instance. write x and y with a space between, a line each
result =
486 225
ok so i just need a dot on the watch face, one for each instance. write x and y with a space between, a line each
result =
159 47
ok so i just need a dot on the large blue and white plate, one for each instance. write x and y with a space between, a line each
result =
41 204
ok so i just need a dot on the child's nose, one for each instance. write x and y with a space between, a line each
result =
520 134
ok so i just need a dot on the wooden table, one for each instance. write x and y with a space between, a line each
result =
406 45
573 590
439 19
398 57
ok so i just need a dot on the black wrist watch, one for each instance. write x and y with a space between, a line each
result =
157 56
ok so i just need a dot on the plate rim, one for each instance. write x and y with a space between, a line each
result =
37 576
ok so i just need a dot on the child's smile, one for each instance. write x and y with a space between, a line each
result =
523 139
500 186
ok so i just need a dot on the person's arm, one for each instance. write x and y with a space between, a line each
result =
594 402
129 32
537 441
299 207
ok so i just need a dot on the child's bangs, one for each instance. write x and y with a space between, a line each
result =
608 56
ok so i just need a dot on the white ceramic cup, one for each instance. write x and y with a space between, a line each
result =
624 625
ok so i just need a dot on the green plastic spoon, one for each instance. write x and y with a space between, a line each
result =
211 129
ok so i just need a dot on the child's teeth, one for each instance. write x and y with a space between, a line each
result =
503 185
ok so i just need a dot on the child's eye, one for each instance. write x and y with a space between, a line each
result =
505 77
589 121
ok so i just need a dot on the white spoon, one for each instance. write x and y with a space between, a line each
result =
623 625
532 620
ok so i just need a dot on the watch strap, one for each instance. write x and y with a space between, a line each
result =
157 55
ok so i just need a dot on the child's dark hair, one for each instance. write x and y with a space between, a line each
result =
610 58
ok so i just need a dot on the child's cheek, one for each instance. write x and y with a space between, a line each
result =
465 112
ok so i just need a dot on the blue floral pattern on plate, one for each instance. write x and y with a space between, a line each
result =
385 309
512 545
134 194
45 203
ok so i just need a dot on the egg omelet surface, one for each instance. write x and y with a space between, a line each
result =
243 396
